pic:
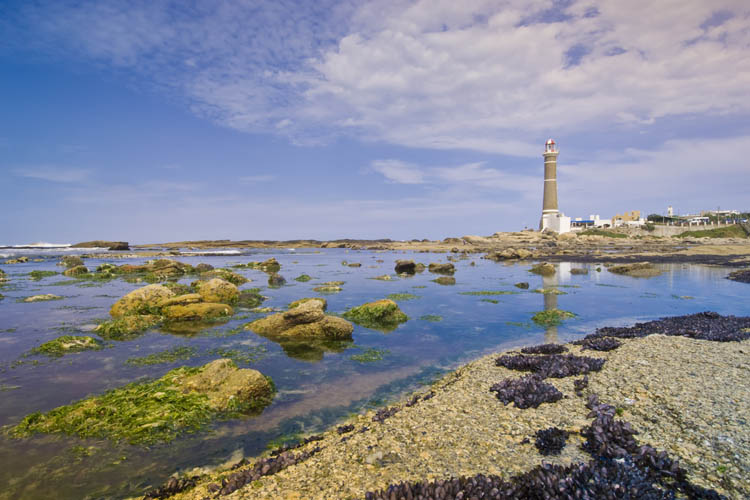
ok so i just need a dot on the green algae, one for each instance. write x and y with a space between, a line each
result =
431 317
244 356
403 296
38 275
177 353
127 327
140 413
250 298
65 345
302 278
491 301
489 292
551 317
371 355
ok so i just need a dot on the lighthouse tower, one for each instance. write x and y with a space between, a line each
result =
552 219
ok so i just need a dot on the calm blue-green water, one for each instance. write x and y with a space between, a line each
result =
318 384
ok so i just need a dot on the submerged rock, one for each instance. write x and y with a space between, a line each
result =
636 270
276 280
183 400
42 298
383 315
445 280
67 344
579 270
543 269
522 285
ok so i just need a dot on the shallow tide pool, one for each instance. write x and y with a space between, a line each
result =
318 384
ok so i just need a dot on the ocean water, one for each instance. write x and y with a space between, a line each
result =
319 384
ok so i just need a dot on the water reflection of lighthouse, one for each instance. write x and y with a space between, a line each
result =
550 284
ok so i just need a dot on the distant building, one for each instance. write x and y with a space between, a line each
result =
670 211
552 219
592 221
632 218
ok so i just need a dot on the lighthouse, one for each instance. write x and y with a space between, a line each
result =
552 219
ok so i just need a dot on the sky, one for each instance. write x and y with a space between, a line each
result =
153 121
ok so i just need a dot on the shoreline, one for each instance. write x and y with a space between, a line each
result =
673 390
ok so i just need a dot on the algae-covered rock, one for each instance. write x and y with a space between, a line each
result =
442 268
144 300
197 312
226 275
67 344
579 270
305 319
271 265
182 401
327 289
445 280
17 260
203 268
383 315
70 261
181 300
127 327
523 285
551 317
42 298
218 290
250 298
544 269
323 302
405 267
636 270
303 278
384 277
76 271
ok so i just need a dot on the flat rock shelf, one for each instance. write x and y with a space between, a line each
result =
690 398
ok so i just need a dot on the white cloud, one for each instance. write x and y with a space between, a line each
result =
399 171
53 173
489 76
254 179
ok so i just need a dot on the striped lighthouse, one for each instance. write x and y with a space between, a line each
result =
552 219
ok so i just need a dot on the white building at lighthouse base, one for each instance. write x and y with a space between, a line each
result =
555 221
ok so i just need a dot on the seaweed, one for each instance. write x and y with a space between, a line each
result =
177 353
67 344
402 296
551 317
371 355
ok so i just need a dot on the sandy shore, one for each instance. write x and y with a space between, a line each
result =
690 398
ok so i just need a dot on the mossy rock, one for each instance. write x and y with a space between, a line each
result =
543 269
42 298
276 280
181 300
323 302
303 278
70 261
143 300
38 275
327 289
76 271
636 270
67 344
226 275
250 299
442 268
179 288
127 327
579 270
18 260
383 315
218 290
523 285
197 312
551 317
182 401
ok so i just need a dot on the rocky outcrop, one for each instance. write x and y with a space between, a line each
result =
636 270
305 320
509 254
226 275
442 268
405 267
70 261
109 245
145 300
383 315
276 280
743 276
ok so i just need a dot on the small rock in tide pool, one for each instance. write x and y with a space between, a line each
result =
42 298
522 285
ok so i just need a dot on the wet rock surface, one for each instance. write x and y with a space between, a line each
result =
743 276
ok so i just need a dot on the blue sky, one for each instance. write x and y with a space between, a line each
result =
161 121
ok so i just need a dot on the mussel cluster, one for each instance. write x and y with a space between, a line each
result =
599 343
703 326
551 366
414 400
262 467
551 441
580 384
743 276
171 487
545 349
385 413
526 392
343 429
286 447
